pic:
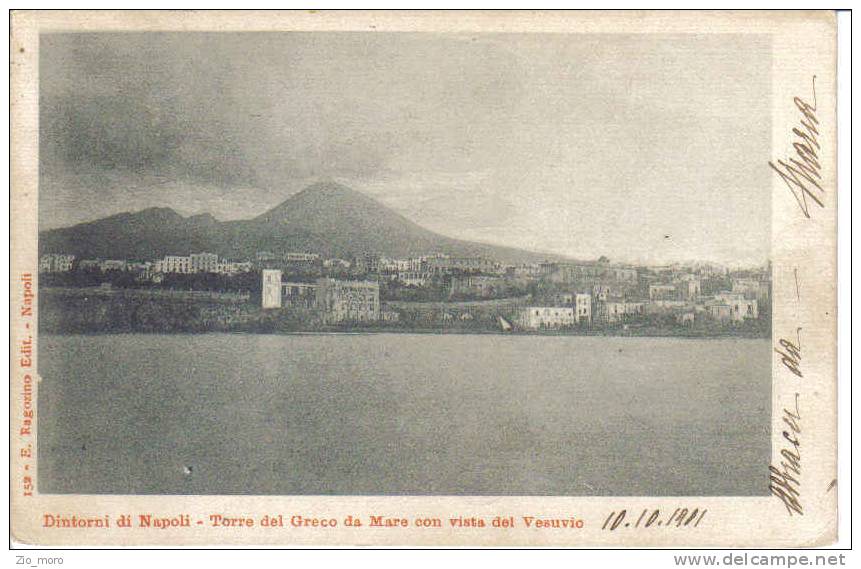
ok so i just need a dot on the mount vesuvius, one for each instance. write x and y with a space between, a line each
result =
325 218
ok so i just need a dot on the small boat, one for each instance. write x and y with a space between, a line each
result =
504 324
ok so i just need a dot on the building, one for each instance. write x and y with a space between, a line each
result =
751 288
418 264
301 257
299 295
546 317
562 298
622 274
203 263
225 267
56 263
141 270
89 265
348 301
662 292
602 292
568 273
113 265
732 307
613 311
719 311
174 264
583 308
265 256
691 287
271 288
336 264
443 265
367 263
414 278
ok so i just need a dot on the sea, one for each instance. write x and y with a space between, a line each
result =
403 414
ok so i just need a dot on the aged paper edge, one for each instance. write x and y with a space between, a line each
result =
803 251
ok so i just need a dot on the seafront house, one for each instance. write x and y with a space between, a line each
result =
546 317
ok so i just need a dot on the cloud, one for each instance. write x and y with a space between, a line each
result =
582 145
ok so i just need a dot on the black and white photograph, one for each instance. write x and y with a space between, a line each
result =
336 263
455 278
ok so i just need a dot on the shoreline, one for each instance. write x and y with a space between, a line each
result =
415 332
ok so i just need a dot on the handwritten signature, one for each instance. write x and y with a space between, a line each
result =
802 173
786 480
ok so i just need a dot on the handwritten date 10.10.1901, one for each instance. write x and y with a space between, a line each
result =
681 517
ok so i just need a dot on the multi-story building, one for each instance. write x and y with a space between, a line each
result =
690 286
203 263
414 278
732 306
336 264
751 288
615 310
718 311
663 292
56 263
562 298
546 317
418 264
348 301
298 295
271 288
601 292
174 264
583 308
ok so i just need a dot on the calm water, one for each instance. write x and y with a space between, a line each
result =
403 414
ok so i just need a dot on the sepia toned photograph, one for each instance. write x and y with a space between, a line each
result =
509 272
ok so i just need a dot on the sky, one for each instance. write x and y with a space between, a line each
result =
641 148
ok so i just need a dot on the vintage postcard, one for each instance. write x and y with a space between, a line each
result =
424 278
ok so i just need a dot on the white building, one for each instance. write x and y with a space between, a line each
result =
56 263
691 287
612 311
226 267
739 307
203 263
301 257
583 308
174 264
546 317
271 289
336 264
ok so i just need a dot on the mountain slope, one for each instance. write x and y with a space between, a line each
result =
327 218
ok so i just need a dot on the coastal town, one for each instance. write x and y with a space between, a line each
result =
306 291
